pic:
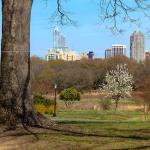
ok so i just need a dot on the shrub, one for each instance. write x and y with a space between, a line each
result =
43 105
70 95
44 109
38 99
105 103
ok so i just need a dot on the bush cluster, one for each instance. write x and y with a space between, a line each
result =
105 103
70 95
38 99
44 109
43 105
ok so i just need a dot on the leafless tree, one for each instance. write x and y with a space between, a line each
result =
110 11
115 11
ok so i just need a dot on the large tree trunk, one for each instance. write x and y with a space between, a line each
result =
15 95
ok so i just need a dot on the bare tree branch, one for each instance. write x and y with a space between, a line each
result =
121 10
112 11
61 16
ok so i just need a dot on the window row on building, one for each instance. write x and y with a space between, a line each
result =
116 50
137 48
59 54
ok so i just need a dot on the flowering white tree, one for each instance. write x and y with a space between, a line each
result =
118 83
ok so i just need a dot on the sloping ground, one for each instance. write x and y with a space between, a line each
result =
83 130
14 140
80 136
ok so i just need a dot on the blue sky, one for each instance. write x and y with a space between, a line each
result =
90 34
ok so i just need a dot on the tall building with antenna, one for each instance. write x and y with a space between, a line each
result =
56 35
59 40
60 50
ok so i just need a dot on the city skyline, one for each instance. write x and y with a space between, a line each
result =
80 51
60 50
137 48
89 35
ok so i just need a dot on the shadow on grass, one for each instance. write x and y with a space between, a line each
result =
70 132
130 130
135 148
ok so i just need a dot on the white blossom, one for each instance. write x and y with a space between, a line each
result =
119 82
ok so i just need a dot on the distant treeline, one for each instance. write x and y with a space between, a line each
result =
85 75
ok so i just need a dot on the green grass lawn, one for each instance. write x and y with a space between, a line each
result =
98 130
123 130
101 136
103 115
116 131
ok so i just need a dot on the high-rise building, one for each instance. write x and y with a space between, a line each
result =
108 53
59 40
137 46
118 50
63 43
60 50
56 35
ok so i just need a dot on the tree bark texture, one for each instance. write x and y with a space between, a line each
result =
15 94
116 104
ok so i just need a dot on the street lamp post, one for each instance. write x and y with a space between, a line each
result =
55 88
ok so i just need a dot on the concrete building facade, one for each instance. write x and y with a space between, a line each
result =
84 55
137 46
60 50
108 53
118 50
60 54
91 55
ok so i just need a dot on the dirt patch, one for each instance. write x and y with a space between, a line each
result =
131 107
18 139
